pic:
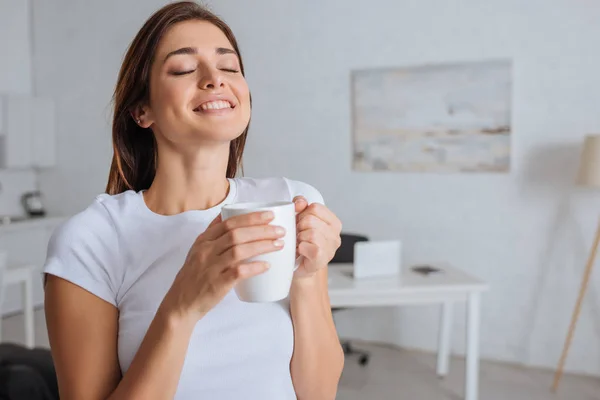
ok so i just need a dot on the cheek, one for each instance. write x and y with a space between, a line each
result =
243 94
167 95
172 95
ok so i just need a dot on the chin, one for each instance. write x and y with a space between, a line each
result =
218 134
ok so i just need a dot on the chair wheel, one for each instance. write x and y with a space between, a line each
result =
363 360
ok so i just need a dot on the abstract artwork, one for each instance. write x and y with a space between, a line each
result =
435 118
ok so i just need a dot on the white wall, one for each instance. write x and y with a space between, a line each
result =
499 227
15 78
15 43
79 47
523 232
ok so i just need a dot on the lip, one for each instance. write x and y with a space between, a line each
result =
228 99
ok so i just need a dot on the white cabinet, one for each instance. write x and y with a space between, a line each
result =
15 47
26 244
27 132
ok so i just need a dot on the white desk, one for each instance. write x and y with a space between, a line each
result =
441 288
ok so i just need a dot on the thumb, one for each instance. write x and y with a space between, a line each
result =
212 231
215 221
300 203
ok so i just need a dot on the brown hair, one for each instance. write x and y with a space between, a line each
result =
134 148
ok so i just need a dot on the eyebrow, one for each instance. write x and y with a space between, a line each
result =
192 50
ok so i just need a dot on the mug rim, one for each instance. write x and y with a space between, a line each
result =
258 205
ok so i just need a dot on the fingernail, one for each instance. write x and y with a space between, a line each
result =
279 230
267 215
278 243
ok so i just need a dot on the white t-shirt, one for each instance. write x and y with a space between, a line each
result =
127 255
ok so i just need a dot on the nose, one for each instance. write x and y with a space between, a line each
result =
211 79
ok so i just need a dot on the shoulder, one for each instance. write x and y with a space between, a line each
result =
96 223
85 249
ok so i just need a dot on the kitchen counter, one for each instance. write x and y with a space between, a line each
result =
29 223
26 240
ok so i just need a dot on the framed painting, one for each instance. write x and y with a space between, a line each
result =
433 118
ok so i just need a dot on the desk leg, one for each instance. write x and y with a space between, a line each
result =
444 339
472 372
28 313
2 291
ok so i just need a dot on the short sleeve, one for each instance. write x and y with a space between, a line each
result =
83 250
298 188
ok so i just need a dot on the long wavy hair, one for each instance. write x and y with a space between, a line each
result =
135 155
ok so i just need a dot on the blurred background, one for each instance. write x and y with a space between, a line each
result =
526 230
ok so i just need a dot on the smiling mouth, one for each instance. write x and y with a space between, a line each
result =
214 106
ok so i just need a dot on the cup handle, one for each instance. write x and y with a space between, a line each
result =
298 262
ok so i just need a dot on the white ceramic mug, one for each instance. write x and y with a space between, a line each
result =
275 283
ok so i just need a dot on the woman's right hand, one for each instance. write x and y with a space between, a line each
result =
216 261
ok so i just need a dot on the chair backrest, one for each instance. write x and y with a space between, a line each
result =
345 253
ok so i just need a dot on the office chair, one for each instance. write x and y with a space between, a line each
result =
345 254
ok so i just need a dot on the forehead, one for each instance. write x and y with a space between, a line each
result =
200 34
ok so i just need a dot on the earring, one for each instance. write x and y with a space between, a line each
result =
138 121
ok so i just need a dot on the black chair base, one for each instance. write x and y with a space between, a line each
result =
363 356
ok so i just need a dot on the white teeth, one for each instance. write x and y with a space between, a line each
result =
215 105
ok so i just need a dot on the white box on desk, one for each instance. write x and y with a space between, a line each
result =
377 259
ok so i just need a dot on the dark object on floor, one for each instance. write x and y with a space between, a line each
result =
363 356
345 254
426 269
26 374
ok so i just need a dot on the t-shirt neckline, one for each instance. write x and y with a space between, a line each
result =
231 195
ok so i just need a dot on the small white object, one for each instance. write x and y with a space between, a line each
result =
377 258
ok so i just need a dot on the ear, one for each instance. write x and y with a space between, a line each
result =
142 116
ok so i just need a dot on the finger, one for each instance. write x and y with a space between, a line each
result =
311 236
246 235
311 221
241 252
300 203
218 219
244 271
309 250
319 210
251 219
319 238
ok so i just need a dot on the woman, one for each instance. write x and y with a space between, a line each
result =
139 300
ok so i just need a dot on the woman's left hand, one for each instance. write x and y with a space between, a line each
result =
318 231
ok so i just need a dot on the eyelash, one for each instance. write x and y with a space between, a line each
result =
179 73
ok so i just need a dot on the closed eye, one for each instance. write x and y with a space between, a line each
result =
179 73
230 70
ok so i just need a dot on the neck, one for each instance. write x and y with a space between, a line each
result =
186 182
